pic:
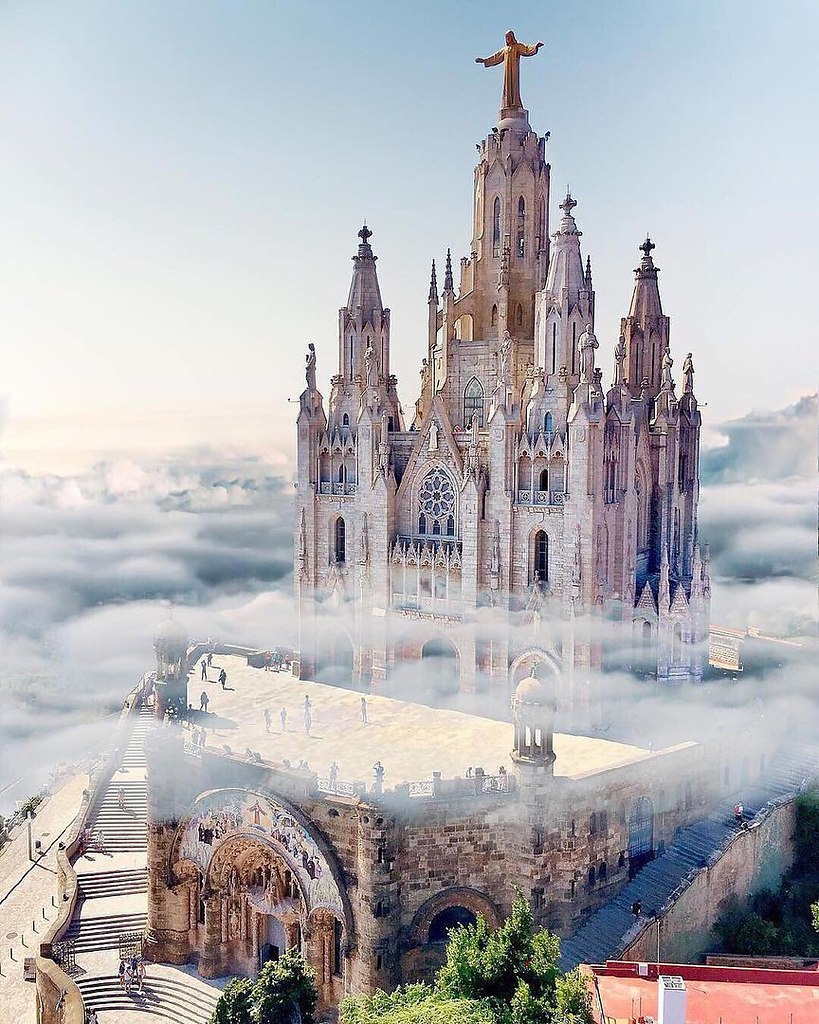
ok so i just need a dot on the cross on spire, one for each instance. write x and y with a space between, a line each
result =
568 204
647 246
365 234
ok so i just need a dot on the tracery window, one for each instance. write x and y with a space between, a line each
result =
541 557
436 499
549 426
473 403
340 540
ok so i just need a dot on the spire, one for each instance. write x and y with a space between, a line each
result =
588 274
645 299
566 264
433 286
365 295
449 287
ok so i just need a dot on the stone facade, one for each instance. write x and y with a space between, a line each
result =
247 859
523 513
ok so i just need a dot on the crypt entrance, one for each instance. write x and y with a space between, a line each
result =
259 881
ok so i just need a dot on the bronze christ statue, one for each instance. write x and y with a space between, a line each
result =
510 55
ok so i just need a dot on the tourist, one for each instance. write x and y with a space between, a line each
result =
378 775
223 678
502 770
468 773
210 658
129 978
267 718
283 719
204 670
140 973
122 973
92 1017
364 710
100 843
637 908
739 813
308 719
204 700
333 773
307 704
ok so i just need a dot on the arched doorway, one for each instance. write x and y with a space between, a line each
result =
447 919
439 667
640 834
334 663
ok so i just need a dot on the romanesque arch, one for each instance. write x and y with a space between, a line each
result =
261 880
640 833
449 905
528 662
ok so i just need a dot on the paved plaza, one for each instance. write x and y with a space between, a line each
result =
26 893
411 740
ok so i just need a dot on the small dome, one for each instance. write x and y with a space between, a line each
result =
535 691
170 634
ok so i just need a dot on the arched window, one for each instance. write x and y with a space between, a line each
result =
592 877
447 919
473 403
493 319
603 872
521 242
676 644
341 473
345 420
519 315
422 524
549 426
340 540
544 480
541 563
496 227
450 526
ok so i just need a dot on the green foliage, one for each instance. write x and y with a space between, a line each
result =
414 1004
784 922
515 970
281 985
283 991
234 1003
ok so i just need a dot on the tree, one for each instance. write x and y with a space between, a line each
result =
414 1004
283 993
281 986
515 970
233 1006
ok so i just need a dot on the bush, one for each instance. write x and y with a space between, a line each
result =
414 1004
283 991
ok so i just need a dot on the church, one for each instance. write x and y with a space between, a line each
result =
523 513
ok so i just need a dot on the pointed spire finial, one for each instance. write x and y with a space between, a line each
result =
448 283
647 246
433 285
588 273
365 234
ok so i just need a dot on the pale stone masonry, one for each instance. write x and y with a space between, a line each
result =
522 505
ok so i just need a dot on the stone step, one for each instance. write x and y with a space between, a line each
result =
94 933
174 1000
94 885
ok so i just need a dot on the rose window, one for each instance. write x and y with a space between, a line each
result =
436 501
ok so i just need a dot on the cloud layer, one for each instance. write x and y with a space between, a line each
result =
90 563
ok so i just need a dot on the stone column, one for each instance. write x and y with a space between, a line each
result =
210 958
255 921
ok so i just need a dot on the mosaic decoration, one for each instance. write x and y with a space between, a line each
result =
229 813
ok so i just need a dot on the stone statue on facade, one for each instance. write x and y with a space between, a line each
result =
505 360
310 366
509 55
370 369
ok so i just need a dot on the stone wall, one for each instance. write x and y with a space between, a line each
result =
756 859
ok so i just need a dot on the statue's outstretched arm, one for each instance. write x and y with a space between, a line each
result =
488 62
529 51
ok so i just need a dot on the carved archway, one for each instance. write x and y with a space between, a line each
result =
472 901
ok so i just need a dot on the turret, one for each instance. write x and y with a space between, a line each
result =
566 303
645 330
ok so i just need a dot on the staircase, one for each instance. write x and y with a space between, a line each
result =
602 936
178 999
113 903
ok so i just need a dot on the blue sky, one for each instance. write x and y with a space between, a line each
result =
181 184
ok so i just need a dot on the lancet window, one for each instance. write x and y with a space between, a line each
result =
521 239
473 403
496 226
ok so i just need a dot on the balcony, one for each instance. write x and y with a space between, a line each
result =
325 487
553 498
